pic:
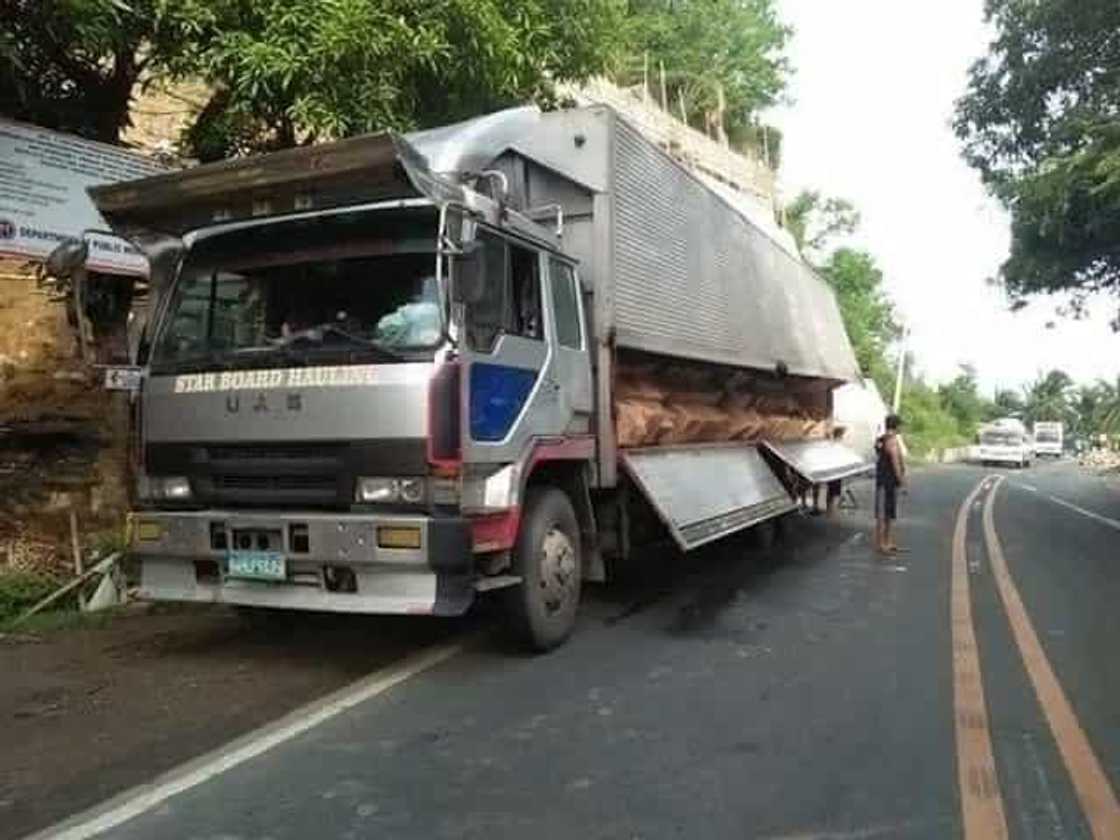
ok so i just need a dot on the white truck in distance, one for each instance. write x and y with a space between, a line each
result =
1004 441
1048 438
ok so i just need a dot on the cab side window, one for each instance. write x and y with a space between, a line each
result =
527 321
511 301
565 305
486 318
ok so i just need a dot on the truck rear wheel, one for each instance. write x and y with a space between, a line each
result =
547 557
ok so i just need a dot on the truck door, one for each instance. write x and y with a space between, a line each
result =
510 388
569 340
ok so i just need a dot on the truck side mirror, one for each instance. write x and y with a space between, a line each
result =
468 280
67 257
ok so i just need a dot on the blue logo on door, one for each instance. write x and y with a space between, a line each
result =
497 394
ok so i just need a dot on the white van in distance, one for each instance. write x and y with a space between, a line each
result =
1004 441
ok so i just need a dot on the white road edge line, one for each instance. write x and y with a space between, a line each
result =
1111 523
134 802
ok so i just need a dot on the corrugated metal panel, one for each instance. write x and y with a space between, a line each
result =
694 277
705 492
820 460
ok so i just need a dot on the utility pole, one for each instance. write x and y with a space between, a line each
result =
896 403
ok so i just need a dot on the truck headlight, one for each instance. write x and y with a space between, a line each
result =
412 490
163 488
372 490
175 488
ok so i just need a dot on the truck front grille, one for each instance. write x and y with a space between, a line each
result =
282 474
273 475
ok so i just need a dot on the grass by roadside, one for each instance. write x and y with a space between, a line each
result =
56 621
21 590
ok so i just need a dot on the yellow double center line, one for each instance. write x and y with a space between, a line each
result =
981 803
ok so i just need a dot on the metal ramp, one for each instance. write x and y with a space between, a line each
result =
705 491
819 461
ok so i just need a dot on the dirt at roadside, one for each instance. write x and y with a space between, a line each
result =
90 711
63 438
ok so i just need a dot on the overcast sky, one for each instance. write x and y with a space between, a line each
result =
873 92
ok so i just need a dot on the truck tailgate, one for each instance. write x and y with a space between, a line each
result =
705 491
819 461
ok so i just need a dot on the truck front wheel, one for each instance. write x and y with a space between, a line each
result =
548 560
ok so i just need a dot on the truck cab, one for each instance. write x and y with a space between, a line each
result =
340 406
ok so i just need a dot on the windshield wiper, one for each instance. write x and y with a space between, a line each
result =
319 332
283 350
210 360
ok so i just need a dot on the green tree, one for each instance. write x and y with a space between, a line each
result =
1008 404
928 426
1040 122
867 312
295 71
962 400
72 65
1049 398
815 221
284 72
1096 409
709 49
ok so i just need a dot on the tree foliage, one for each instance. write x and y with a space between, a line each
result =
284 72
289 71
293 71
1009 404
815 221
927 425
1050 398
867 312
1041 123
72 65
961 398
708 47
1097 408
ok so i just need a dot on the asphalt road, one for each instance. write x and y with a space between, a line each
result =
816 691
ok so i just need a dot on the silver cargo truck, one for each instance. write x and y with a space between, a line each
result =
384 374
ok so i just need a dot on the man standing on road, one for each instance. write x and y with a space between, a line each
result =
890 477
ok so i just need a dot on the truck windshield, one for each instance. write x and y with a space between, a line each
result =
329 290
1046 436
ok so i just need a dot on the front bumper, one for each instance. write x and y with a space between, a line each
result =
180 562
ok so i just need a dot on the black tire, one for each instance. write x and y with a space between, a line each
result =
548 559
